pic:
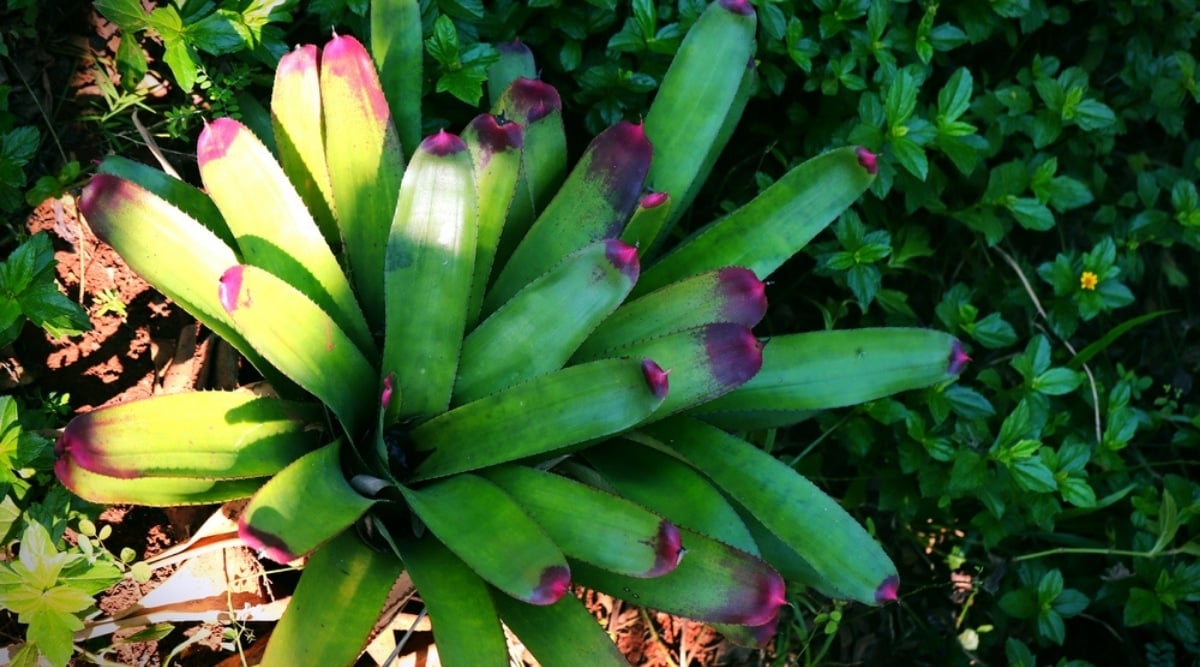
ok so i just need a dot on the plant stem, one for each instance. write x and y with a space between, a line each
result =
1097 551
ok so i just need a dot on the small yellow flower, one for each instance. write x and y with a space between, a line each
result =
1088 280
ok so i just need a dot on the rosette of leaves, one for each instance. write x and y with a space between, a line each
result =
473 380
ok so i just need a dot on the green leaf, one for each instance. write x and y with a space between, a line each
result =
183 61
1021 603
564 633
1070 603
1031 213
901 98
1057 381
217 34
1049 587
1142 607
1092 115
968 403
911 156
497 539
1077 491
460 605
955 97
1050 625
1032 474
127 14
344 586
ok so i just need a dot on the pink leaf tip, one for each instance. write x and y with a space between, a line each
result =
656 378
532 99
888 591
623 257
958 358
868 160
554 583
386 396
653 199
229 292
443 144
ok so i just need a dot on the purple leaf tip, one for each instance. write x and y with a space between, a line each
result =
495 134
532 99
744 295
668 549
656 378
958 358
868 160
443 144
554 583
619 157
742 7
888 590
229 292
653 199
734 354
271 546
623 257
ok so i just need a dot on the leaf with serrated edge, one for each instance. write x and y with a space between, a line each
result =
366 164
212 435
538 416
308 346
430 259
303 506
300 136
714 583
793 508
484 527
832 369
590 525
273 227
343 590
773 226
550 317
496 146
465 623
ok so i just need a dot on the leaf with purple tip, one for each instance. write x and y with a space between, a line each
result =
497 539
605 530
727 295
302 507
594 203
805 518
670 487
773 226
209 435
366 164
171 251
538 108
496 146
308 345
187 198
701 97
714 583
546 414
427 279
543 324
647 220
832 369
274 229
703 362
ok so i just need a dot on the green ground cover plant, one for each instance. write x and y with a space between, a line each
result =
1037 198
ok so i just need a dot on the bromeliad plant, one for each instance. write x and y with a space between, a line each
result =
498 434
